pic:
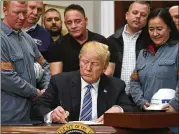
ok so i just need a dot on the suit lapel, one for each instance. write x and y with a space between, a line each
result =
102 101
75 88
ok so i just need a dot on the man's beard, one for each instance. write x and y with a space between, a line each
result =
55 33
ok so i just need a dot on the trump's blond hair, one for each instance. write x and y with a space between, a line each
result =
100 50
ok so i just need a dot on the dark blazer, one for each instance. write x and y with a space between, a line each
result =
65 89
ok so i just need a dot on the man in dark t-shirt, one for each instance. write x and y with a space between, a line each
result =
64 53
67 50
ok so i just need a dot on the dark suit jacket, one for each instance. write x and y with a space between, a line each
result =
65 89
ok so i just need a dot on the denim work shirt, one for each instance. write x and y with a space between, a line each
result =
18 81
155 72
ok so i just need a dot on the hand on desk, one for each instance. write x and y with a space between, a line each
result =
59 115
168 108
114 109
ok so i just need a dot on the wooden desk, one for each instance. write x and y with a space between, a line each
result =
145 120
142 123
51 129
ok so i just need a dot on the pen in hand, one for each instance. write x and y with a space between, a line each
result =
67 113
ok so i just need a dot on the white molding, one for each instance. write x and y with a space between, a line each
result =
107 18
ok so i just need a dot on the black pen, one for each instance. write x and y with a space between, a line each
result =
64 109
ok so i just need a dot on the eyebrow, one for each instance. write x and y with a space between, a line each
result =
156 27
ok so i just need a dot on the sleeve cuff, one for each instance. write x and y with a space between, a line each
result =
47 118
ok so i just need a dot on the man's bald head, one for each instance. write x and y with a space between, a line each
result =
174 11
174 7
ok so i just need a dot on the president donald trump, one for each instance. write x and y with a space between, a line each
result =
85 94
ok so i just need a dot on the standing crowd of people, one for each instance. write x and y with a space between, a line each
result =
48 76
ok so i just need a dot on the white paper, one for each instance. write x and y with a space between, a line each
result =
88 122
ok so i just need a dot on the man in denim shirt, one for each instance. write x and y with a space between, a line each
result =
18 55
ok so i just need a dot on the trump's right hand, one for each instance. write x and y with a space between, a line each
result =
59 115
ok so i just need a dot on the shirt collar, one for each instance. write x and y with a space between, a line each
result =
125 31
84 84
7 30
31 28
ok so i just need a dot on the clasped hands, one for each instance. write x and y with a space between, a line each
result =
39 93
59 115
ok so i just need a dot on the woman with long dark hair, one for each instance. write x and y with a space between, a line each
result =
157 65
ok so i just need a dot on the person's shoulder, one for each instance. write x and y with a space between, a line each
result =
118 33
95 34
173 42
4 41
39 27
27 36
57 45
116 84
113 80
117 81
65 78
62 39
97 37
42 30
66 75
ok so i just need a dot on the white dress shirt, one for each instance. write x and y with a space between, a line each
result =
129 56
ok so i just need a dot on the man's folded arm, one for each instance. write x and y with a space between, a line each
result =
11 82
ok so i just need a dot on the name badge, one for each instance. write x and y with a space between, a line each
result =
38 42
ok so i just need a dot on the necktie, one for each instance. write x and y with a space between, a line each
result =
86 112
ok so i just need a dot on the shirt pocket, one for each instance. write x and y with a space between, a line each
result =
166 69
18 62
140 67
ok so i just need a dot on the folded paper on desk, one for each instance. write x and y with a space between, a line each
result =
92 123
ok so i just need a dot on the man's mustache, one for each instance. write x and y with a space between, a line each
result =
54 25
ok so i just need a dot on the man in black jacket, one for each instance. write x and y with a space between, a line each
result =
129 40
68 92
